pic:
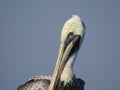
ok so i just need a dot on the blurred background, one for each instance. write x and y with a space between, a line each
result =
30 37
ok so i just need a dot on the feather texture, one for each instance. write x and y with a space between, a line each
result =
42 82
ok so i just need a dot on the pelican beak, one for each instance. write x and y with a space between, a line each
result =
68 47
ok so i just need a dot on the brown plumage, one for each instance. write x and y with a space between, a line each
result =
42 82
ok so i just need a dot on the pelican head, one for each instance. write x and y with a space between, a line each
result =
71 38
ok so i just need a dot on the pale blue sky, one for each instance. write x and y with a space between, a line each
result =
30 37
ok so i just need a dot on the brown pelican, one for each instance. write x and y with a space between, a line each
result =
63 77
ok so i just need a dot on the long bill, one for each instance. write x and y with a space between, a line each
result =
61 61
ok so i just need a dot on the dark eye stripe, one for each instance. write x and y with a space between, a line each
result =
75 47
69 38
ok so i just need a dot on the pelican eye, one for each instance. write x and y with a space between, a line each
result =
69 38
70 35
